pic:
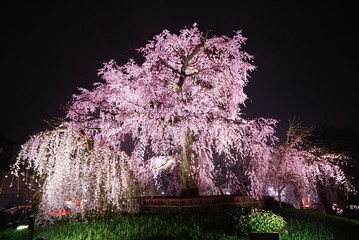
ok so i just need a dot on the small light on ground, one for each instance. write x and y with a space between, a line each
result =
22 227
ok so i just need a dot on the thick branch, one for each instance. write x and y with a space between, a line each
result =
187 60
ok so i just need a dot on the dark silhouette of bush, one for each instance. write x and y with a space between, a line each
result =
4 219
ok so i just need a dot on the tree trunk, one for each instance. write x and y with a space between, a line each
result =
189 180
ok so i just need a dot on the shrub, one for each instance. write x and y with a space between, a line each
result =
245 221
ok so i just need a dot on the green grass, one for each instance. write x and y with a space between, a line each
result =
12 234
306 224
137 227
302 224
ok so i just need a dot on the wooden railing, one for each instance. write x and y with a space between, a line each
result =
203 203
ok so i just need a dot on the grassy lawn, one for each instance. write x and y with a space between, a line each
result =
306 224
302 224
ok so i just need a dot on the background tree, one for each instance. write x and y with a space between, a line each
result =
70 174
297 168
344 140
184 100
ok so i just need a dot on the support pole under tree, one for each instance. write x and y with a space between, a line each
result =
280 190
31 227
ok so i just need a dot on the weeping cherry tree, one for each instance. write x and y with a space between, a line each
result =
185 101
298 168
67 173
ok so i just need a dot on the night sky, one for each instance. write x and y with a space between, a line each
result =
306 54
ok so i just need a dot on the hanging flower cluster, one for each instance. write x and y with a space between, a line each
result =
71 174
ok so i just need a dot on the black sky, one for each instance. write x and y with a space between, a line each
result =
306 53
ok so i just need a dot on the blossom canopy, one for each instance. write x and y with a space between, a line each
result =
188 85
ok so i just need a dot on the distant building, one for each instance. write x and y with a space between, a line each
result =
6 152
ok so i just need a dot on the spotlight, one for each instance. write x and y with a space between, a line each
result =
22 227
